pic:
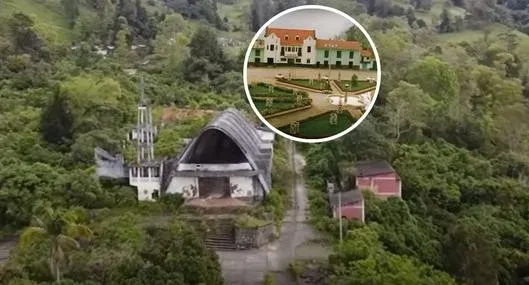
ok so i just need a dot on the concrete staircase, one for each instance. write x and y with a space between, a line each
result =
6 246
221 234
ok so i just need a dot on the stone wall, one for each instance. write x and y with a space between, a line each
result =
246 238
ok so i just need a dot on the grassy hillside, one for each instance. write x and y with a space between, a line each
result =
47 14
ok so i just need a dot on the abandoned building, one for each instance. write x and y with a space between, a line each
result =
229 158
376 176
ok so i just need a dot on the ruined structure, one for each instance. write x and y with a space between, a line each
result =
229 158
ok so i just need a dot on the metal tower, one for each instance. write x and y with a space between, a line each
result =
145 131
145 173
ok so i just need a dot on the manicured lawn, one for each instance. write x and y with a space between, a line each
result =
361 85
320 127
319 85
263 90
278 106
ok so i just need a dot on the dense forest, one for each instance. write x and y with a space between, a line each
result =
451 117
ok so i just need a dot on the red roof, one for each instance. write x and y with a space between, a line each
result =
367 52
373 168
339 44
291 37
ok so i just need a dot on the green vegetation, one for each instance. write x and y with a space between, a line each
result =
269 279
309 83
247 221
283 99
320 126
351 86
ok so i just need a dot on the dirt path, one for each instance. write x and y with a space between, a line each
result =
249 267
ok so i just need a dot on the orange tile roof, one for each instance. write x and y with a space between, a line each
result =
367 52
338 44
291 37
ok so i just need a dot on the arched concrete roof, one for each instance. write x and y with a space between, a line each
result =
243 133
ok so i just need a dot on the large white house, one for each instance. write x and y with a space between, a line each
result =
302 47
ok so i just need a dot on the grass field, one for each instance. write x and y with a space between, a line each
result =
306 83
320 127
361 85
48 16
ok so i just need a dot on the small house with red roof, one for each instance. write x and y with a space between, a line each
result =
302 47
376 176
379 177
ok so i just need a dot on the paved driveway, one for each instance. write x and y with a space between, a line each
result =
249 267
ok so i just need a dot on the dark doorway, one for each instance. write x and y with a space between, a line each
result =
350 64
326 63
318 64
214 187
338 63
257 60
290 61
270 60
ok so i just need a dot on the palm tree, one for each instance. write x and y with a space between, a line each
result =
60 229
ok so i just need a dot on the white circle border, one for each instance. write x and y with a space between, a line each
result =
245 74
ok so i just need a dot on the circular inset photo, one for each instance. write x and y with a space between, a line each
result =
312 73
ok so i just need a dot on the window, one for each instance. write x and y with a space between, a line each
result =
144 172
308 49
282 51
299 52
351 54
298 59
134 171
326 53
308 60
155 172
297 38
271 47
286 37
283 59
339 54
289 49
257 52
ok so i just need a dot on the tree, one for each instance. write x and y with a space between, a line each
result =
71 10
57 120
171 40
473 247
408 108
354 80
59 229
446 22
435 77
24 38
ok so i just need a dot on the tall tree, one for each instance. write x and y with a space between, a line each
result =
71 10
57 121
59 230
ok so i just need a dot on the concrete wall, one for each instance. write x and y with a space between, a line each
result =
311 56
187 186
354 211
253 55
345 58
241 186
268 52
254 237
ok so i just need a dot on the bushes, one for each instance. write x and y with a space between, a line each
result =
247 221
275 203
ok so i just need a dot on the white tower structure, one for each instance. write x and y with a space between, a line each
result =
145 172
